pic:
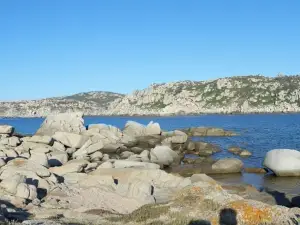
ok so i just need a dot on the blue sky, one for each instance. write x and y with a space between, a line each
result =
60 47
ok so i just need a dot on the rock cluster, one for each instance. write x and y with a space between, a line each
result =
99 172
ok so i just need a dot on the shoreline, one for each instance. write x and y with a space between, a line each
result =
164 116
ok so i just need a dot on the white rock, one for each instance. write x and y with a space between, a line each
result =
39 158
2 154
57 158
96 156
94 148
106 165
283 162
74 178
145 156
24 167
11 141
130 164
245 153
152 128
32 192
105 157
136 189
31 145
163 155
10 184
126 154
40 139
6 129
23 191
111 148
134 129
70 151
228 165
73 166
71 140
202 177
65 122
11 153
40 150
58 146
90 167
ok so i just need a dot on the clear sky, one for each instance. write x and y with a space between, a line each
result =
60 47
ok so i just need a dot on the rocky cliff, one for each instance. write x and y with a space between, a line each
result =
245 94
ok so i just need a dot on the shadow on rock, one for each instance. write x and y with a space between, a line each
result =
279 197
10 212
199 222
283 200
227 217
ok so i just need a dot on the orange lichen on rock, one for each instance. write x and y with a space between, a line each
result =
214 221
18 162
219 187
195 190
250 214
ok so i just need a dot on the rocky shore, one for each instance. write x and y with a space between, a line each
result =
244 94
71 174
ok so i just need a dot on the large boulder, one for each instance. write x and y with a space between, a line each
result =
88 148
283 162
65 122
11 141
152 128
6 129
57 158
174 137
40 139
10 184
135 129
39 158
71 140
35 173
227 165
101 127
73 166
163 155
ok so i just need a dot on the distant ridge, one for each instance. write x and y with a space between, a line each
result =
240 94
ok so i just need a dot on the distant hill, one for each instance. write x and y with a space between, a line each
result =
92 103
244 94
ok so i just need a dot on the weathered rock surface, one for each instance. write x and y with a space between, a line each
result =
65 122
163 155
70 139
40 139
6 129
228 165
97 174
283 162
129 164
73 166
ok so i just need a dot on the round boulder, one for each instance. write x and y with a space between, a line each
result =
283 162
228 165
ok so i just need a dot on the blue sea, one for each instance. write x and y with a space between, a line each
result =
258 133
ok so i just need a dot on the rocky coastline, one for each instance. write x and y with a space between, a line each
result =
67 173
233 95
